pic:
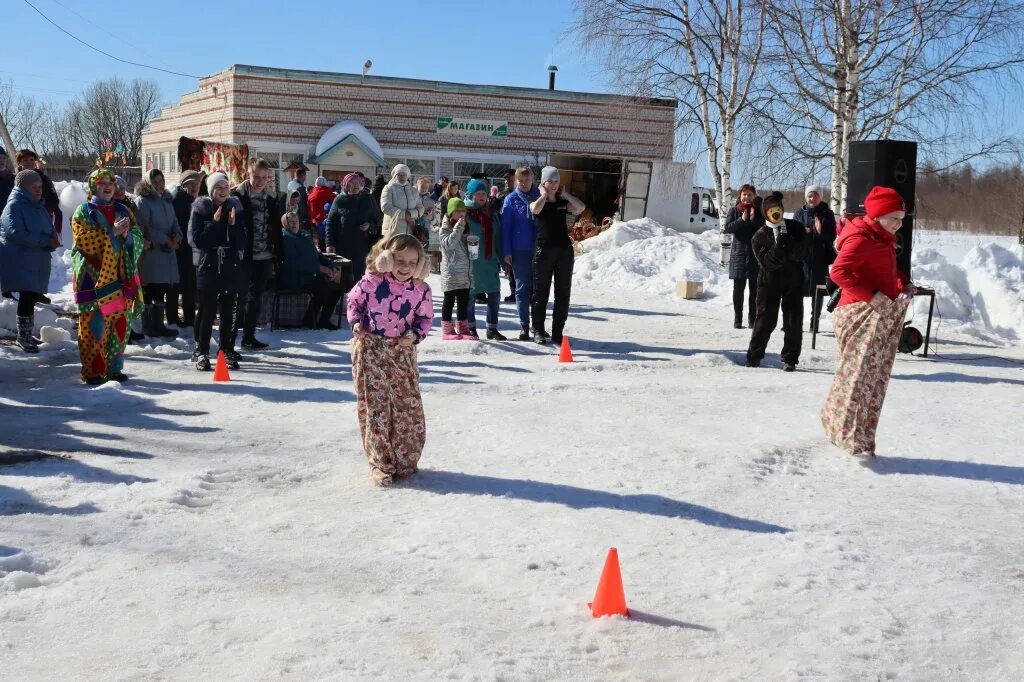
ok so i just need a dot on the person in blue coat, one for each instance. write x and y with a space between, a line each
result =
519 240
302 267
27 239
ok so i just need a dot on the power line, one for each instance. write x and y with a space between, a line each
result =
106 54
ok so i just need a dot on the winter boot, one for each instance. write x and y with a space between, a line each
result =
25 339
203 363
119 377
464 331
539 337
158 323
788 367
148 327
252 343
448 332
494 335
524 333
171 310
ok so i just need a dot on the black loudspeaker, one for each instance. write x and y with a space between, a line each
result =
889 163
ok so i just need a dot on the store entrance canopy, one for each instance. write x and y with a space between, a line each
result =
348 144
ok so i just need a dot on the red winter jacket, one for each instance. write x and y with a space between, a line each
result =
866 262
317 198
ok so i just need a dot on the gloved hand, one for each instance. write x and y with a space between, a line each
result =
782 230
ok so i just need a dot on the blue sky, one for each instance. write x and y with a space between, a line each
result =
458 41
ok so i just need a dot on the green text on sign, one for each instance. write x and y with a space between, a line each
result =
470 126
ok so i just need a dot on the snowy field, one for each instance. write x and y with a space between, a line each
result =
173 528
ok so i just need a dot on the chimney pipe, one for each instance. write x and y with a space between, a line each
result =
552 70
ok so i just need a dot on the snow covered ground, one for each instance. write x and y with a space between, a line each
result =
173 528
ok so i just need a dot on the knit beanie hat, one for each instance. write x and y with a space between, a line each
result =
97 175
474 186
549 173
882 201
213 178
189 176
456 204
120 182
26 177
814 189
349 178
321 181
401 168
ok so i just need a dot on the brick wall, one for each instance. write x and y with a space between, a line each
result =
299 110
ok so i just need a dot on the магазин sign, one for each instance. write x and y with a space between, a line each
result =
472 126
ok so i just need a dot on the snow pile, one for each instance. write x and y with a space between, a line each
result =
982 297
644 255
72 195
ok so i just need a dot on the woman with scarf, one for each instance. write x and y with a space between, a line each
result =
108 290
743 221
868 321
27 238
485 225
400 201
215 232
158 266
349 222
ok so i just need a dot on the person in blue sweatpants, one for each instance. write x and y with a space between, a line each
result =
519 239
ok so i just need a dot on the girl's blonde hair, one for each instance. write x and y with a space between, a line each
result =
382 257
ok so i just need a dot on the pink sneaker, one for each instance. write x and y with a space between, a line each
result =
448 332
465 333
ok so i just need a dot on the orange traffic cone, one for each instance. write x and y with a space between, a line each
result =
610 598
220 373
565 354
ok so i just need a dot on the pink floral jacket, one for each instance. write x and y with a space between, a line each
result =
384 306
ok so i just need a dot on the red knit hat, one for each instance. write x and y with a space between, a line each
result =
882 201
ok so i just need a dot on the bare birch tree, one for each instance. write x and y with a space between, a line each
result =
846 70
703 54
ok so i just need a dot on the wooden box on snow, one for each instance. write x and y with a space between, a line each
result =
690 289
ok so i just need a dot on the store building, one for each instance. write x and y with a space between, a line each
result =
336 123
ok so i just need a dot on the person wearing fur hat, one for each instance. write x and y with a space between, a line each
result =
158 266
302 267
868 321
743 221
819 224
216 234
182 196
108 290
349 222
391 310
27 239
554 256
400 201
780 247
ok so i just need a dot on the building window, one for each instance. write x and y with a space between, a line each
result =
419 167
495 172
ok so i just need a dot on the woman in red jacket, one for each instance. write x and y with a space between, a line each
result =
868 321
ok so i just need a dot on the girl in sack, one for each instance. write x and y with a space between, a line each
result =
391 310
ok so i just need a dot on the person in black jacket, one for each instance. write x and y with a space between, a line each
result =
743 221
215 232
819 223
261 218
780 247
377 226
348 224
183 196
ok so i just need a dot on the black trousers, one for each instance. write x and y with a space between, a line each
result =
769 300
255 277
325 299
552 263
27 303
511 277
154 293
209 302
185 288
738 286
460 296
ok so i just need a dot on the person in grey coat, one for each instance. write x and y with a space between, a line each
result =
456 272
158 267
27 239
